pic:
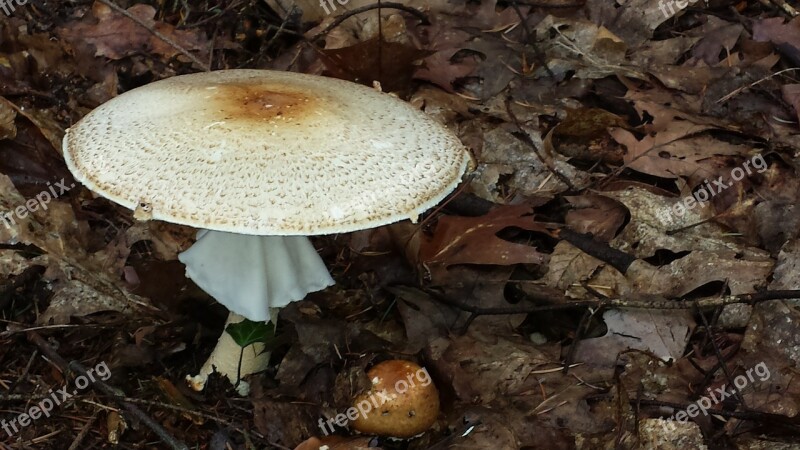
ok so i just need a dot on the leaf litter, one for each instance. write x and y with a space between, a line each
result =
559 300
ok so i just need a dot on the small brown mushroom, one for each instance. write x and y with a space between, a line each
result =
405 399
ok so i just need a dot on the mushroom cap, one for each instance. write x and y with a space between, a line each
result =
265 153
413 404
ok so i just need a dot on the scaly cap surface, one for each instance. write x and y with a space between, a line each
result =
265 153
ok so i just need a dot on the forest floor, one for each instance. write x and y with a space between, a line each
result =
619 270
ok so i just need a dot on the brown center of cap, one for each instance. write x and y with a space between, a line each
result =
260 103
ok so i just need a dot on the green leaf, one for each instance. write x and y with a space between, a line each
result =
247 332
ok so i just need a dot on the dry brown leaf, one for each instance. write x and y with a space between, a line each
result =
697 269
359 63
442 106
791 93
596 214
284 422
441 70
653 215
785 36
634 20
651 155
569 269
8 130
693 80
116 36
79 288
474 240
663 333
480 374
424 318
583 48
722 36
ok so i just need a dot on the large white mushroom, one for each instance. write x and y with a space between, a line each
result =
258 160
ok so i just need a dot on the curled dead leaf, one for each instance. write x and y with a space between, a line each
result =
474 240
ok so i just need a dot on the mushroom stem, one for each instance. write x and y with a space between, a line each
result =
225 361
253 276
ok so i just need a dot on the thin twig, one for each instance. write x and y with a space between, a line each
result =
156 33
530 39
279 30
724 367
736 92
76 443
422 17
234 4
17 327
24 373
583 325
195 413
114 393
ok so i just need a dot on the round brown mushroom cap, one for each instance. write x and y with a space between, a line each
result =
265 153
408 402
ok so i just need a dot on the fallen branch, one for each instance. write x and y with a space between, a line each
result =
600 250
766 418
561 303
196 413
